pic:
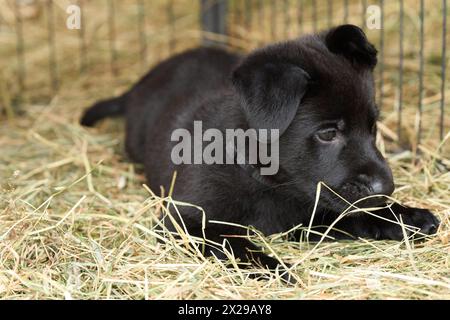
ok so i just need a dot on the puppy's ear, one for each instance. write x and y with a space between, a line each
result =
271 93
351 42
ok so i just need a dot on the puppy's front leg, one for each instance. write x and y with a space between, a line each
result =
385 224
243 249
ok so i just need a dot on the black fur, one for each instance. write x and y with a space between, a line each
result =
267 106
102 109
351 42
301 87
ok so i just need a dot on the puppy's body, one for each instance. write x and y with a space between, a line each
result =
311 89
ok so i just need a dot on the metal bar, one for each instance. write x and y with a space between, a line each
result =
330 13
443 68
2 22
142 32
221 13
261 17
346 11
53 73
400 70
214 19
300 15
233 10
171 20
421 68
363 14
112 35
82 39
237 12
273 19
21 74
314 14
381 55
248 14
287 18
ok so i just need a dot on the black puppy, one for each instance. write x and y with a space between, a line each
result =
318 91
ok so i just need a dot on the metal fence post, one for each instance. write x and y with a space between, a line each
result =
214 20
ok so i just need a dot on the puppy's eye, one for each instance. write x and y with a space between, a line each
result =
327 135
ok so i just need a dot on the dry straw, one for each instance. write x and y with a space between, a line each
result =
76 221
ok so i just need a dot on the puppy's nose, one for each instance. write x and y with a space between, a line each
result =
377 185
388 189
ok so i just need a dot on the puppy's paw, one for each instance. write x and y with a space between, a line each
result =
417 222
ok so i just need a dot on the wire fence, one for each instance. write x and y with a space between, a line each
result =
40 55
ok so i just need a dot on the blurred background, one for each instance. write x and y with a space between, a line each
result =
41 58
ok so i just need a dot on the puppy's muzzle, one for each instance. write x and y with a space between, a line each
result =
376 188
376 185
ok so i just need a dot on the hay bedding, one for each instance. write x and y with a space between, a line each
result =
76 221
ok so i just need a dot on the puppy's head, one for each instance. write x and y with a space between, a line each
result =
319 92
